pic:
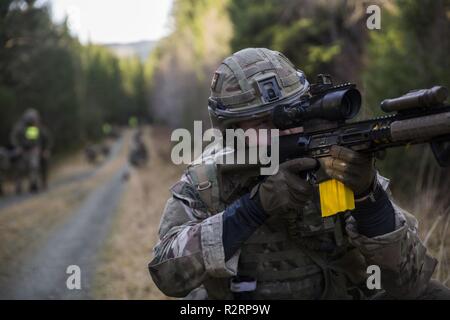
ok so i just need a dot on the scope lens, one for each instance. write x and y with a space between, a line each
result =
346 107
350 104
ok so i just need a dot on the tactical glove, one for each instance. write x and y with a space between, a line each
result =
286 190
354 169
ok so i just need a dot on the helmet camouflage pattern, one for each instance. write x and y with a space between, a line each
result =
250 83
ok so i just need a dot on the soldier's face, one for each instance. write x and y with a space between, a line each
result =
264 123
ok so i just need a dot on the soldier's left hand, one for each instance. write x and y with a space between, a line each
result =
354 169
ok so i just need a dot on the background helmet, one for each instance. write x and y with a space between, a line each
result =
31 117
250 83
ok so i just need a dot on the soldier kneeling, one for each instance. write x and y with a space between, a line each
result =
265 238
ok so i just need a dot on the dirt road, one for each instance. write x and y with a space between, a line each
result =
77 242
38 271
103 220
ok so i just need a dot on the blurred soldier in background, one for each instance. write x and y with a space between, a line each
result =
105 149
106 129
247 237
133 122
138 156
108 133
32 142
91 153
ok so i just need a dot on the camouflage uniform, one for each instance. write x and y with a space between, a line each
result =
32 161
296 256
324 258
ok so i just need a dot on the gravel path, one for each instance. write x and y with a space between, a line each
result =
78 241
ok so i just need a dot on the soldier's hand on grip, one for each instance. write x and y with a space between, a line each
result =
286 190
354 169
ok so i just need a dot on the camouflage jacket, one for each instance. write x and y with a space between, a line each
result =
286 264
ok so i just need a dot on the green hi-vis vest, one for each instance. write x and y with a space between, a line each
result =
32 133
133 122
106 128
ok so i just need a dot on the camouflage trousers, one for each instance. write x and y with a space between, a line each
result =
28 167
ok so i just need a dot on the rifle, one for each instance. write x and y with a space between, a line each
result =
420 116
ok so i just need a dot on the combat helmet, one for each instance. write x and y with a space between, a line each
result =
250 83
31 117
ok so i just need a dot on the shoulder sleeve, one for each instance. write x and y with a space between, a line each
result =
190 247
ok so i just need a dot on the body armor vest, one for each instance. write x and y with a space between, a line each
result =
296 256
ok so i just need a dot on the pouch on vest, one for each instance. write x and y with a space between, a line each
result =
204 178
